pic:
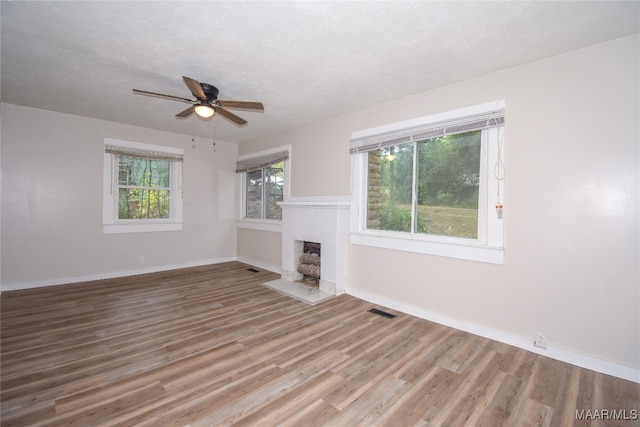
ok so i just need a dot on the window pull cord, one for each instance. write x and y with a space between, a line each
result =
498 173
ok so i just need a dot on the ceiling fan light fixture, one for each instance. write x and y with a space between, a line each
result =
204 110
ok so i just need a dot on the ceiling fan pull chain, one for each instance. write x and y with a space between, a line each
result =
214 138
193 140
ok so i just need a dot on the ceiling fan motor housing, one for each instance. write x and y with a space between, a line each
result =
210 91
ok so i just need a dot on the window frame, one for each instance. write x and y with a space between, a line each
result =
262 224
488 247
111 224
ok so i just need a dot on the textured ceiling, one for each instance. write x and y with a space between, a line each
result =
302 60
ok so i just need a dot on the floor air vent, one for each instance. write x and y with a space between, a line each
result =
253 270
382 313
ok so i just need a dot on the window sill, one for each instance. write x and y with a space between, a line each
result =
141 228
271 225
451 248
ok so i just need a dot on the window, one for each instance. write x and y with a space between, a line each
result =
264 189
432 185
263 184
443 173
142 190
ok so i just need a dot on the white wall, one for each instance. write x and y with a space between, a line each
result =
571 206
266 254
52 202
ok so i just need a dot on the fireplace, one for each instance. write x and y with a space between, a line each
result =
324 223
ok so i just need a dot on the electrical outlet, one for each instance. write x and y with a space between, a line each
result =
541 340
141 259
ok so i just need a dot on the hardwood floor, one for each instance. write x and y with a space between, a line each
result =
210 346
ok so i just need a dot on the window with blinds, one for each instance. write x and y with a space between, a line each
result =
263 185
436 180
142 187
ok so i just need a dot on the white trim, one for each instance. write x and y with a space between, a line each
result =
110 275
272 225
338 202
589 362
397 241
141 228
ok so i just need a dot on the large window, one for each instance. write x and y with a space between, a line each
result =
263 184
444 175
264 189
432 185
144 187
142 190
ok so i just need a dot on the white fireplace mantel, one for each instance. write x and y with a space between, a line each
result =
322 220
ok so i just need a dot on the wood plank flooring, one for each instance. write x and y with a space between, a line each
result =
210 346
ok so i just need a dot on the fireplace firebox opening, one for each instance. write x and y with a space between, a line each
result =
308 263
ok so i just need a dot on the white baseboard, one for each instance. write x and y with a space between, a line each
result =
108 275
269 267
578 359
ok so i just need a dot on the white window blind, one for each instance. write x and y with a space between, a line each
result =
427 130
139 152
259 162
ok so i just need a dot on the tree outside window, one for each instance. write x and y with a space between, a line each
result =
144 188
440 176
264 189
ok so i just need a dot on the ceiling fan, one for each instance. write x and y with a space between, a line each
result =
206 103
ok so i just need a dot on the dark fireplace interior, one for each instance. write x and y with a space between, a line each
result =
309 263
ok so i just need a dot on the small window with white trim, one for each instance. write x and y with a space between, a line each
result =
432 185
142 187
263 185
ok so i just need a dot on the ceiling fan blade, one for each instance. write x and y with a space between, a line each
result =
194 87
229 115
242 104
185 113
161 95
